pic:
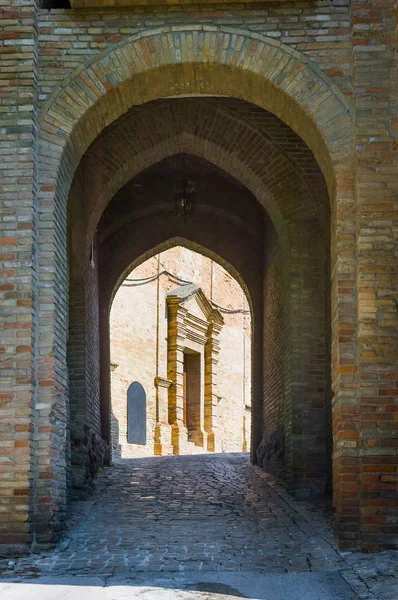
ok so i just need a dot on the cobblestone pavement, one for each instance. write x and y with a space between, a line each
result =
205 513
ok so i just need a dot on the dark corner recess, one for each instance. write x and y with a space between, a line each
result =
49 4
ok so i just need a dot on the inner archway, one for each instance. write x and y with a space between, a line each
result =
212 231
180 324
278 213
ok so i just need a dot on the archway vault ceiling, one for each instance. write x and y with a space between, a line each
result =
152 192
256 147
142 216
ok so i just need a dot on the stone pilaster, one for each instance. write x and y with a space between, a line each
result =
212 350
163 437
175 372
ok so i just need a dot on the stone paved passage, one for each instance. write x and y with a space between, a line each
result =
190 513
205 514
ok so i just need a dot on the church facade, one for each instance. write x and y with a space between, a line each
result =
190 354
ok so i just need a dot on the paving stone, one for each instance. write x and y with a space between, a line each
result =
205 513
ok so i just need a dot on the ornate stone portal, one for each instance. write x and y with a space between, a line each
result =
192 356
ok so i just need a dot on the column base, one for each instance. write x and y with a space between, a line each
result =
179 438
198 438
10 549
213 442
163 440
183 443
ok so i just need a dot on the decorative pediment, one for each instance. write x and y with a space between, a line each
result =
192 298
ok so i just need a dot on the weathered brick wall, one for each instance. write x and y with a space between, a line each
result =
84 349
334 75
88 444
272 450
21 467
374 478
138 356
92 344
320 30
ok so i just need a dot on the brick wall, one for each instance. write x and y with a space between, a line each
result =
328 71
373 481
320 31
21 468
133 349
272 450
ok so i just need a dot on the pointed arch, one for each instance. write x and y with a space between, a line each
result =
172 62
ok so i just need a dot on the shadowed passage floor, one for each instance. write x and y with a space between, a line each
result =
205 526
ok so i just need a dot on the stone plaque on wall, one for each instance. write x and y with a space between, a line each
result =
136 414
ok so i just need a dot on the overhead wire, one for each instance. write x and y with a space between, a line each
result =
145 280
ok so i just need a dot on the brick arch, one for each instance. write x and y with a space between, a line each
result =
111 290
186 144
157 131
167 62
256 70
190 245
128 147
220 239
304 279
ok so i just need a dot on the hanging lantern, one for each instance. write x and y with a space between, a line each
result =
185 201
